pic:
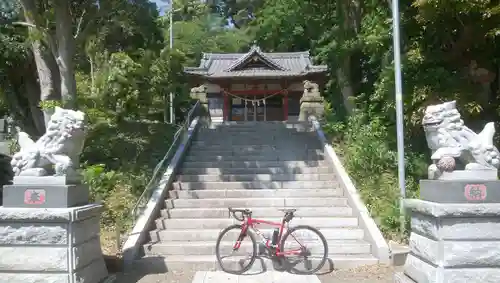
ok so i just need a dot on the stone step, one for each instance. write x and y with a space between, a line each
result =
251 142
257 212
259 132
259 129
255 164
237 148
208 248
253 152
254 185
257 124
203 194
255 177
221 223
264 137
212 234
270 157
256 202
253 133
267 137
268 170
208 262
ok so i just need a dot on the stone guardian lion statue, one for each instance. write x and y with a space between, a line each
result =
450 140
57 152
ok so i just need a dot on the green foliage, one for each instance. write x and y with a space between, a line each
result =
372 164
440 42
114 190
192 38
49 104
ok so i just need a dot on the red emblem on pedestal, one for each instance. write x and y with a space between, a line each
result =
475 192
34 196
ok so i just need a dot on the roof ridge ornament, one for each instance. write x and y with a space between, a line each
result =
255 50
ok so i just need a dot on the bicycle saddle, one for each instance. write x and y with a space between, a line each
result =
288 210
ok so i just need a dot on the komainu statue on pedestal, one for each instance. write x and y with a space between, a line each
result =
57 152
450 141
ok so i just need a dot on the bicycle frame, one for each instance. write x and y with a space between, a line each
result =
249 225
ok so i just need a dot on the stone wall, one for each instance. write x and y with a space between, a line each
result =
59 245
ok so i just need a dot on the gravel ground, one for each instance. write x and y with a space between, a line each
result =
368 274
135 276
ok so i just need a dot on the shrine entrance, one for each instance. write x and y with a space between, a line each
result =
256 108
269 110
254 86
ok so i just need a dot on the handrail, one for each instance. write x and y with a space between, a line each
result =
152 182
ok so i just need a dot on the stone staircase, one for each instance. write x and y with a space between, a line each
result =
262 166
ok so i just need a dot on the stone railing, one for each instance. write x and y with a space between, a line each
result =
151 202
373 235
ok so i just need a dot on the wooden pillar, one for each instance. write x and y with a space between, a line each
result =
225 110
284 87
285 105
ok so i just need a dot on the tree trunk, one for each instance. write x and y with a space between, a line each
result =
23 97
349 17
43 59
65 52
92 79
345 85
32 93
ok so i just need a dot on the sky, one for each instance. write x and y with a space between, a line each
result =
163 5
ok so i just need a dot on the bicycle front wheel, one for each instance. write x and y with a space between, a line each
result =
304 249
242 248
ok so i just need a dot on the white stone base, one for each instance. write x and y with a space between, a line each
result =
469 175
59 245
421 271
400 277
457 243
46 180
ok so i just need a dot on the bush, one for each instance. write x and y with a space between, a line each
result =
372 164
117 163
114 191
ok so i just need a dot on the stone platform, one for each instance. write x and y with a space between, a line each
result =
453 242
265 277
53 245
400 277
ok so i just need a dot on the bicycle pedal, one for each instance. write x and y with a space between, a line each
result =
278 263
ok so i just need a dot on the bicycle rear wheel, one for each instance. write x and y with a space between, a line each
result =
304 242
232 240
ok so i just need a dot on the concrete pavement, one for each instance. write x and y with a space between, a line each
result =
265 277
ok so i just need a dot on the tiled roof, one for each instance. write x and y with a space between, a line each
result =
217 65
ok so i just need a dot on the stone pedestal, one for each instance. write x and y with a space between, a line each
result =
45 196
454 242
53 245
311 103
200 93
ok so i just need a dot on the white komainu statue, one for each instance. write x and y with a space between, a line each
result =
449 139
57 151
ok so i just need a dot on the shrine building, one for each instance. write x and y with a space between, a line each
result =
256 86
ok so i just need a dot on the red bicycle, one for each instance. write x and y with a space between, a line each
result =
277 246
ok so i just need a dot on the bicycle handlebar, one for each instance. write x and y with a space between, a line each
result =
244 213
